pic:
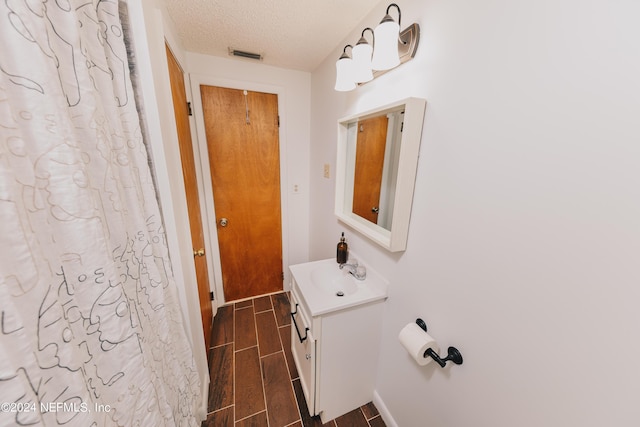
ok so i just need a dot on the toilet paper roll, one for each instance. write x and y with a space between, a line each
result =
416 341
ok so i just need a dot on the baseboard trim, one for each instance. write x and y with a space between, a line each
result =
383 410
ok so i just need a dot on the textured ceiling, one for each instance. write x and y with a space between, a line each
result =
295 34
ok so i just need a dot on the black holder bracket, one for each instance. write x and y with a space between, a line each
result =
453 354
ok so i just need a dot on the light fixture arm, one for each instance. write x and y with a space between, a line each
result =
373 37
389 17
344 52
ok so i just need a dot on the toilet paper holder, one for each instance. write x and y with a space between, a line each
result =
453 354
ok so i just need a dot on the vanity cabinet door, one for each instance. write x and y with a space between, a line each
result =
303 346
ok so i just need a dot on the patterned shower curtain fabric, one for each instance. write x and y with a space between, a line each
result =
91 332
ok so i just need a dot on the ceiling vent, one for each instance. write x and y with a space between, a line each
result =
243 54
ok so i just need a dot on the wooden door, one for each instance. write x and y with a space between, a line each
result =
244 155
371 143
191 187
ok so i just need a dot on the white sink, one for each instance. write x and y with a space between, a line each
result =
334 280
325 287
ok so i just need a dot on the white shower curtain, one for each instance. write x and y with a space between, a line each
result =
91 332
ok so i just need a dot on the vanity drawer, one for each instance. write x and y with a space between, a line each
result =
297 300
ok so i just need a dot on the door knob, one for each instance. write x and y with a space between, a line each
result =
224 222
375 209
199 252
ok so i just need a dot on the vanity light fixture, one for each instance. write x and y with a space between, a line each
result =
390 48
345 80
387 35
362 52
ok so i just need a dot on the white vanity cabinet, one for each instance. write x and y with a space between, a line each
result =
335 351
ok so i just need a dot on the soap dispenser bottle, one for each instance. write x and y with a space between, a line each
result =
342 253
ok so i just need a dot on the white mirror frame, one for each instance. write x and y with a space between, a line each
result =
395 239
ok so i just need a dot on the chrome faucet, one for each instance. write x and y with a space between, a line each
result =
357 271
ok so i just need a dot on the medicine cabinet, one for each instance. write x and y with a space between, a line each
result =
376 166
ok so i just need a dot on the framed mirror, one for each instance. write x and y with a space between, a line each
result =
376 167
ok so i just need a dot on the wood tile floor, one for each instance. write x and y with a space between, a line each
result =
254 381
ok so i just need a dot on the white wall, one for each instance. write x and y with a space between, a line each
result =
525 233
294 99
